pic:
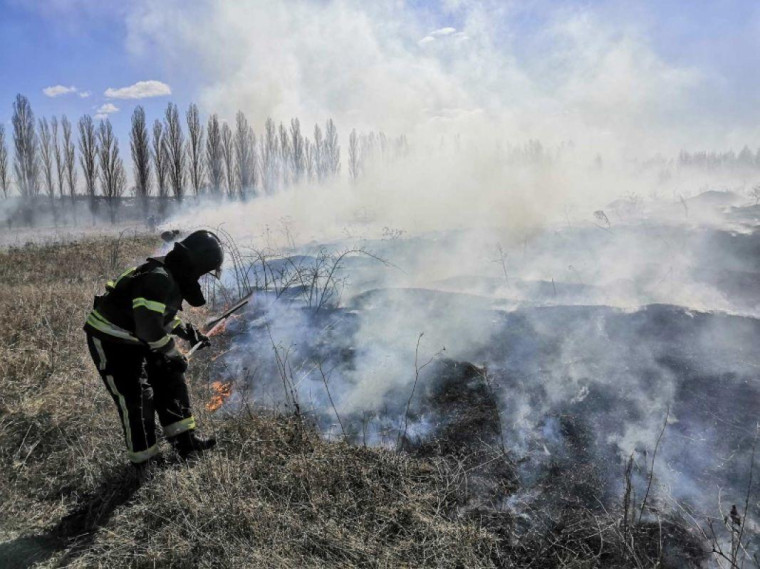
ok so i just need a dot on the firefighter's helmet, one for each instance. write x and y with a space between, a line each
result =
204 251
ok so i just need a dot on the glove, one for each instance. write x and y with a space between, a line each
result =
171 362
195 336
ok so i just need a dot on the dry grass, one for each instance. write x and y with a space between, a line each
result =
273 495
278 496
56 426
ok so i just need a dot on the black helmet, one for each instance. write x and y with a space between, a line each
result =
204 252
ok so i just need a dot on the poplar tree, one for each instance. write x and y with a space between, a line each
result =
139 144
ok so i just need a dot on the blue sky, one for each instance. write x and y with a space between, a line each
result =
91 45
77 48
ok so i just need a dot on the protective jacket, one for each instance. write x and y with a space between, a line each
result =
139 308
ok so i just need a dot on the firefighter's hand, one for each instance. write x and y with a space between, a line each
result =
195 336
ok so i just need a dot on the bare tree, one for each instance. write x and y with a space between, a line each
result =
308 159
402 146
195 148
60 164
88 152
331 149
228 155
175 150
160 164
353 155
70 163
214 155
255 165
297 150
319 162
269 156
113 178
45 142
285 157
46 159
4 181
368 149
139 144
26 163
754 193
245 157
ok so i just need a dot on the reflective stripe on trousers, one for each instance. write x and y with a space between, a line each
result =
141 443
179 427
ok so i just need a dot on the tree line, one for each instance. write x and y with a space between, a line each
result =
745 159
171 158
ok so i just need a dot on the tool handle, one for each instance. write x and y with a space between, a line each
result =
199 345
194 349
216 323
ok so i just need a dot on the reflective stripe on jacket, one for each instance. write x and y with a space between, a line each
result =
139 307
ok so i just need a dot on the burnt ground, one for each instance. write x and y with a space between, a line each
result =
647 341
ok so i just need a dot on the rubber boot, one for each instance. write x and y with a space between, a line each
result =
188 445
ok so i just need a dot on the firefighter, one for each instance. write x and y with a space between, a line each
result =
129 334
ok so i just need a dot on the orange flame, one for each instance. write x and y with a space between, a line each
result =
221 392
218 329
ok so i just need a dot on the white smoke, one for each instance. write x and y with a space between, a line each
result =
514 271
579 77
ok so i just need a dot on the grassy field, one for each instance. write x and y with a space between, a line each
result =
274 494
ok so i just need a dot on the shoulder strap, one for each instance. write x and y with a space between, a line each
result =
131 273
111 285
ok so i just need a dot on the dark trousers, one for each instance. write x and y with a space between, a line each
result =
140 388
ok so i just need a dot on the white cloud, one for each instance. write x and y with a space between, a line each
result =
58 90
443 32
104 110
140 90
84 94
